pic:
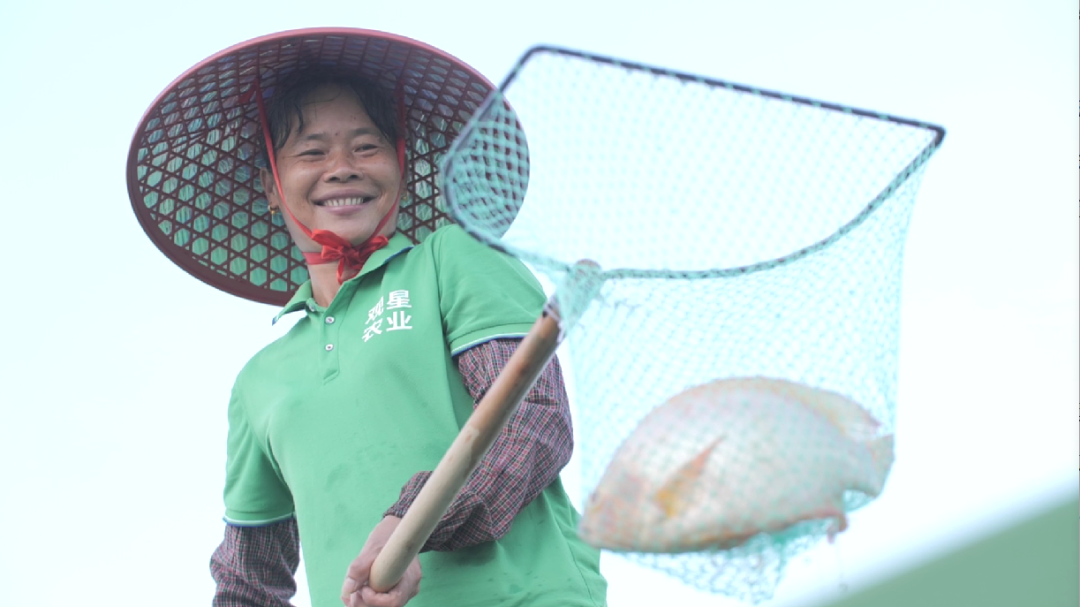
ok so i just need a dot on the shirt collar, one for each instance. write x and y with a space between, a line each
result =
303 299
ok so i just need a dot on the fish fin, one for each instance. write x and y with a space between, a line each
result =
672 496
838 526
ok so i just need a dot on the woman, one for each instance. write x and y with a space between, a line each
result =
333 427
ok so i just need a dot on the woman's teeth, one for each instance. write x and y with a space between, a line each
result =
343 202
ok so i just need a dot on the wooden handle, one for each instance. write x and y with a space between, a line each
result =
474 440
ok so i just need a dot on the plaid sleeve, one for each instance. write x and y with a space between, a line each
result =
255 566
525 458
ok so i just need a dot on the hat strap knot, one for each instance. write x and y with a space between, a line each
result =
350 258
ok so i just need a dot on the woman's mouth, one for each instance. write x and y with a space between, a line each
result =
345 202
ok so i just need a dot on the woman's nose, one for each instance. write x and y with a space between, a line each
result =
343 168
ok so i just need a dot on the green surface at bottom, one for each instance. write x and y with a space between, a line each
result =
1035 562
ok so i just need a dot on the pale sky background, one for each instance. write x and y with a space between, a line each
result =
116 366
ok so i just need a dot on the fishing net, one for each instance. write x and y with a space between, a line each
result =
732 234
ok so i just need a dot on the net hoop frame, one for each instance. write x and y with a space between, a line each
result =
457 211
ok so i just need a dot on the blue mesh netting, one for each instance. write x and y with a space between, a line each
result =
738 233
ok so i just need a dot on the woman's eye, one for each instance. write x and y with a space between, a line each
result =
311 153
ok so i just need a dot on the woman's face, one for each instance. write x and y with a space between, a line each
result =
339 173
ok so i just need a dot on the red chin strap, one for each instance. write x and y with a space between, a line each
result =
351 258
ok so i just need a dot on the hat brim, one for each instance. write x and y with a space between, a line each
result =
192 174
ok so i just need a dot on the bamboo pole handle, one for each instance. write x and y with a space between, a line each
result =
465 453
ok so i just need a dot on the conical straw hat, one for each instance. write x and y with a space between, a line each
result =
192 172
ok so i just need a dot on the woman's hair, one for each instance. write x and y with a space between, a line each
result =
287 104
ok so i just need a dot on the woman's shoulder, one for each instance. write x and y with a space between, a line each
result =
449 235
451 243
280 350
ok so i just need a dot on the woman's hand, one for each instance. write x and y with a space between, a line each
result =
357 593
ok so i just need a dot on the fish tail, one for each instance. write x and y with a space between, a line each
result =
881 452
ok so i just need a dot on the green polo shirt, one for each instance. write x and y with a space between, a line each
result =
329 422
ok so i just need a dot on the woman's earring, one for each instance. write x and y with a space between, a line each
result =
273 211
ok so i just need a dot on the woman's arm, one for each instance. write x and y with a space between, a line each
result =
256 566
525 458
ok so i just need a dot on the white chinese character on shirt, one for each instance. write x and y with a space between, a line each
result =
373 330
399 321
397 299
375 312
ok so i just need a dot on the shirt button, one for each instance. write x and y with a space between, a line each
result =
329 347
329 320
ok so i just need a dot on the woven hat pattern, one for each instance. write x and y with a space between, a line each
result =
193 164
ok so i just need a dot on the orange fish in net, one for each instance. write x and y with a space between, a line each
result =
725 461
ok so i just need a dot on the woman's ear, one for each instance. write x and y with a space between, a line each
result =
266 178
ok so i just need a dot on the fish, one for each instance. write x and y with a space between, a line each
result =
722 462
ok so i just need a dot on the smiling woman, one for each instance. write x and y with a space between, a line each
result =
334 427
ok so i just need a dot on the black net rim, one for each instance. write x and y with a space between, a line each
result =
459 156
191 167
